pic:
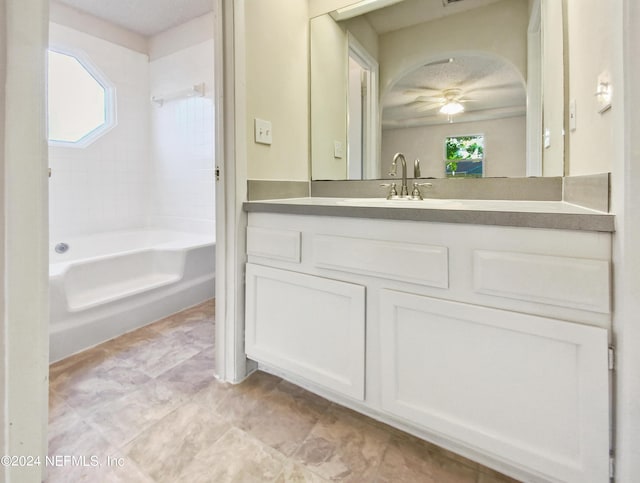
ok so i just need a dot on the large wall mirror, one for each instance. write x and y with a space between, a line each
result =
457 84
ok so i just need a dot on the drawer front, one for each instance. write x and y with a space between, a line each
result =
577 283
276 244
407 262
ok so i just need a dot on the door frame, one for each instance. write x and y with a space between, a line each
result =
231 362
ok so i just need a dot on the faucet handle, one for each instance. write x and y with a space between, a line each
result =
392 192
415 194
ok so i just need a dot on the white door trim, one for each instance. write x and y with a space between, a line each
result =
625 199
25 264
534 92
231 362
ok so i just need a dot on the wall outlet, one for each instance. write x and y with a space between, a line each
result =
338 149
263 131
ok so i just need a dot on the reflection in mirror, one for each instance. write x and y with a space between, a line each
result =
445 70
458 97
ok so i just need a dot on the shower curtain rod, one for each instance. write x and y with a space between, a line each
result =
197 90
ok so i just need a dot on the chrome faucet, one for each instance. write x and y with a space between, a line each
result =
404 191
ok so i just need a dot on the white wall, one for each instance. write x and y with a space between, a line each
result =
182 144
504 146
328 89
590 32
277 87
25 353
107 185
553 110
192 32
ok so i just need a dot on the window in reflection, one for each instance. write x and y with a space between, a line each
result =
464 156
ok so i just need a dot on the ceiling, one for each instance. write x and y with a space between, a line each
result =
488 88
412 12
146 17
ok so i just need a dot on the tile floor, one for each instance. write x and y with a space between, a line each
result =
145 407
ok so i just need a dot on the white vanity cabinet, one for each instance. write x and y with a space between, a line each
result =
491 341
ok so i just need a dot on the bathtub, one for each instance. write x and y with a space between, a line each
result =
107 284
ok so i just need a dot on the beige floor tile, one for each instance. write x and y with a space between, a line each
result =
284 417
411 460
159 355
98 386
112 470
244 397
192 375
343 448
235 457
171 445
125 418
78 366
75 451
296 473
489 476
130 342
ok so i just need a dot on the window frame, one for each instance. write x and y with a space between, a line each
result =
110 111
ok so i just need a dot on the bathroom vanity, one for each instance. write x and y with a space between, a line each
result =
483 327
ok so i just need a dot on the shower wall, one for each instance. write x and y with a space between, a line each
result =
107 185
182 148
156 166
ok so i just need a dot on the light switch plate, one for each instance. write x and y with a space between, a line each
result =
547 138
572 115
603 91
263 133
338 149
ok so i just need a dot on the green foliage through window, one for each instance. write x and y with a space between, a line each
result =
464 147
464 156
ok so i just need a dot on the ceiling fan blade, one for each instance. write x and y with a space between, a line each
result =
430 99
428 107
422 90
513 85
448 60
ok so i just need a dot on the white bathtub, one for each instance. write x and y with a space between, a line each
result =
110 283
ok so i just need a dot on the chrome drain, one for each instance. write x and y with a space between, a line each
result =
61 248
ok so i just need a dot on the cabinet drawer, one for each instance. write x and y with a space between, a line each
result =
277 244
309 326
408 262
578 283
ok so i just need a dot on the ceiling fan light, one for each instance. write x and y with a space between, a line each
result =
451 108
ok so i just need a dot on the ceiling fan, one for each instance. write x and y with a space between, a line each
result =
448 101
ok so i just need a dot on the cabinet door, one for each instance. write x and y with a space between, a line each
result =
527 390
309 326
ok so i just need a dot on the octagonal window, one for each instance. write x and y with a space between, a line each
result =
80 101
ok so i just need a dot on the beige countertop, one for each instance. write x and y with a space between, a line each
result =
531 214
